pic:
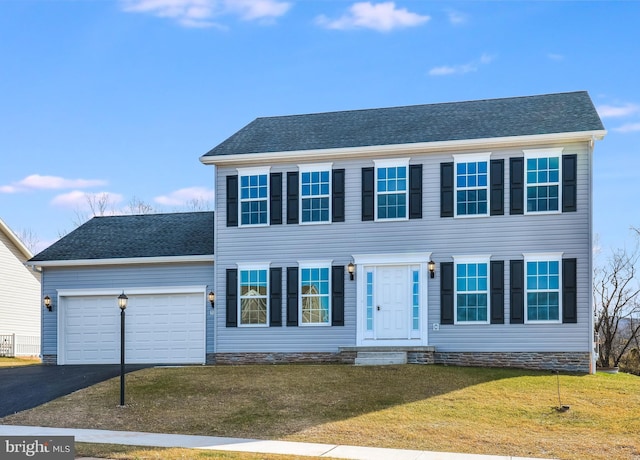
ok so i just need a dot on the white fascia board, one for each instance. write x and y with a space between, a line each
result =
122 261
403 149
4 228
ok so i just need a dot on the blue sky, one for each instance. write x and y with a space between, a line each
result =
122 97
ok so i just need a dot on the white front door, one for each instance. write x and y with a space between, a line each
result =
392 315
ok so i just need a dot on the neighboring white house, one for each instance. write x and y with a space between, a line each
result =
19 298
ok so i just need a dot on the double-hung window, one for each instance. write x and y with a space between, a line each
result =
253 296
315 294
391 189
472 290
254 196
472 184
542 180
315 193
543 284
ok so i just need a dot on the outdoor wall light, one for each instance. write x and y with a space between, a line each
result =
352 270
212 298
432 268
47 303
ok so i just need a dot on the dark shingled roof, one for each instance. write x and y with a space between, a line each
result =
490 118
148 235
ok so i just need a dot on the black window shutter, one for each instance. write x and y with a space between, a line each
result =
516 194
569 291
569 183
232 297
337 195
337 295
232 201
517 291
497 292
368 194
415 192
292 296
292 197
446 293
275 195
447 198
496 189
275 296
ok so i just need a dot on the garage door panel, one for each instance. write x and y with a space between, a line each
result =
159 329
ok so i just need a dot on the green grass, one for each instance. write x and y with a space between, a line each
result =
469 410
13 362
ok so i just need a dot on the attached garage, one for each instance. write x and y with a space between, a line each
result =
167 328
164 263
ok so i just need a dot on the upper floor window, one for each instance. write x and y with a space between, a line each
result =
253 296
315 193
391 189
472 290
315 295
472 184
543 284
542 179
254 196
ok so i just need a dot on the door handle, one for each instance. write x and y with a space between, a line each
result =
378 307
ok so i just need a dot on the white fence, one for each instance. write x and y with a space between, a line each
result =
12 345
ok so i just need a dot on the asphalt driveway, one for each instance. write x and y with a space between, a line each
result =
26 387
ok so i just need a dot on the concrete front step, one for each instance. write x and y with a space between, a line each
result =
380 358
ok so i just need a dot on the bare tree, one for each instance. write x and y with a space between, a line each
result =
99 204
29 239
197 204
137 206
615 292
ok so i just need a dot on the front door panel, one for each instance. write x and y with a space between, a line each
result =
392 302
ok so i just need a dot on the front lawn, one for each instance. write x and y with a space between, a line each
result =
469 410
12 362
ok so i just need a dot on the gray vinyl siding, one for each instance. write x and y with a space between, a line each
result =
503 237
120 277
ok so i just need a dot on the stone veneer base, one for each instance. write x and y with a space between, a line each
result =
565 362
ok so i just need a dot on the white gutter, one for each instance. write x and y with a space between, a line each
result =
403 149
122 261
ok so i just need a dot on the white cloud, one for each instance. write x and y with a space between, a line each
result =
81 200
456 17
201 13
382 17
38 182
258 9
460 69
628 128
610 111
555 57
185 196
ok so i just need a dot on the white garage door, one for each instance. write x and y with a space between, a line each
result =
164 328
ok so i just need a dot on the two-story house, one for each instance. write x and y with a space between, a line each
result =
459 233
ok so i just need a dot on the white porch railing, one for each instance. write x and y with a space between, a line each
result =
12 345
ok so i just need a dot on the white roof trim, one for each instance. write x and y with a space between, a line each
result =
404 149
15 240
123 261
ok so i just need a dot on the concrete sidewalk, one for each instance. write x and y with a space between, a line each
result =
241 445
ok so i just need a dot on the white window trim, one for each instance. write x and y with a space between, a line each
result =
543 257
255 266
543 153
476 259
388 163
255 171
471 158
307 265
315 167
